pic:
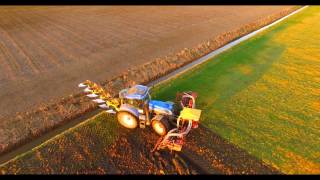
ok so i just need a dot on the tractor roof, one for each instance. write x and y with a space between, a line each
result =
136 92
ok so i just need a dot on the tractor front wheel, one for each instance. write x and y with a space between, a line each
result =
161 127
127 119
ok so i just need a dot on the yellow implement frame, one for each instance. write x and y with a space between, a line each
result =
190 114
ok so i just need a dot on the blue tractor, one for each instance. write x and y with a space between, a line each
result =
135 108
138 109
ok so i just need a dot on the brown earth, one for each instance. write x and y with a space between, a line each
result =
89 149
47 51
99 146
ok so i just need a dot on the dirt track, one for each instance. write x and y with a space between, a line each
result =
46 51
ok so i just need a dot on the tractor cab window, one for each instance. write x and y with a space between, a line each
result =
133 102
136 96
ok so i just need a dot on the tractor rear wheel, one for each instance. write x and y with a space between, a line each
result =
127 119
161 126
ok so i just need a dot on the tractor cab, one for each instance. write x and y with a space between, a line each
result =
135 96
139 95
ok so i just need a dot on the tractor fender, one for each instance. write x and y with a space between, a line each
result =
127 107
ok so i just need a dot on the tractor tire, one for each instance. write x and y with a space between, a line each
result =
127 119
161 127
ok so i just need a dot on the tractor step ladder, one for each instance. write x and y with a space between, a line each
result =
142 121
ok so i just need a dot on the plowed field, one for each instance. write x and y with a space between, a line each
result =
46 51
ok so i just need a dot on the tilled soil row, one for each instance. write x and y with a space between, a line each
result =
25 126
